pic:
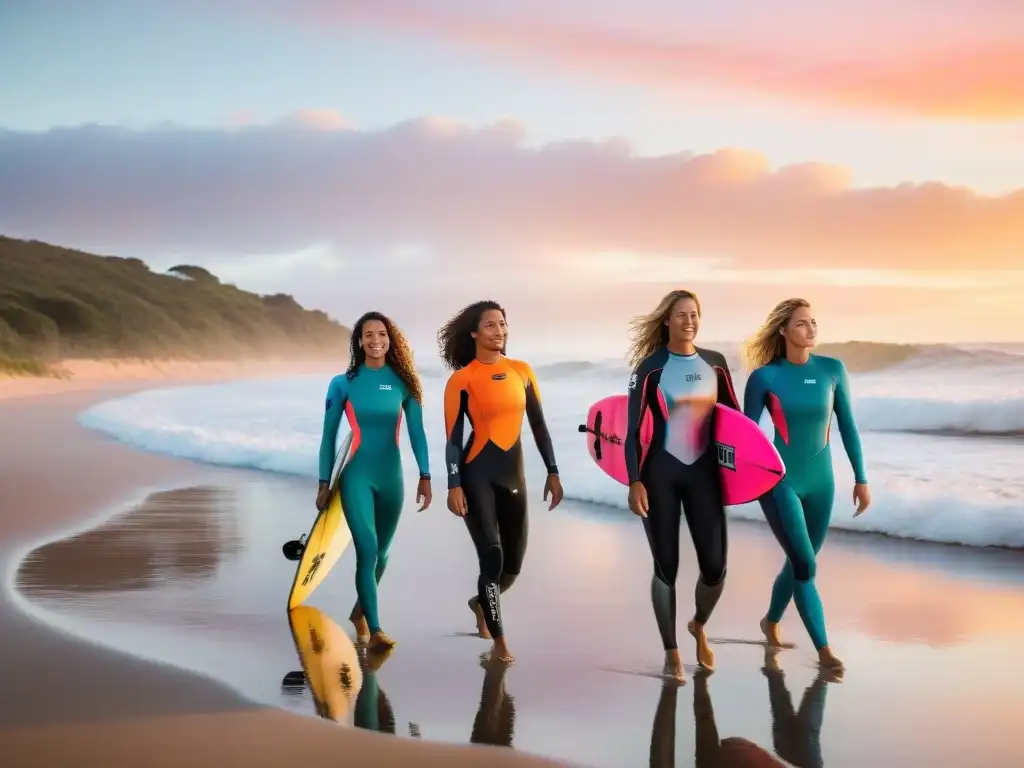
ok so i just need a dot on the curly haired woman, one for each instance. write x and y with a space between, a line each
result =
381 382
486 482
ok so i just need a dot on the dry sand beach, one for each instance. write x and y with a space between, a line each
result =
141 567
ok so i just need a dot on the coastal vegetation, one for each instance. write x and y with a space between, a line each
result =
58 303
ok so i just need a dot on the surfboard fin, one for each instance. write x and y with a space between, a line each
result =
596 432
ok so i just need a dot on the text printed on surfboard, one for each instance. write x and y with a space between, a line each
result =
726 456
313 568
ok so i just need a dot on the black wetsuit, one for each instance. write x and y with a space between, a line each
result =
680 471
494 397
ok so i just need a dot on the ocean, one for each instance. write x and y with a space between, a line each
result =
943 437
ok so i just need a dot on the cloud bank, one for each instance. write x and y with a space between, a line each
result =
955 60
457 195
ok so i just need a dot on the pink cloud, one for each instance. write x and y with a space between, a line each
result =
960 61
318 120
463 196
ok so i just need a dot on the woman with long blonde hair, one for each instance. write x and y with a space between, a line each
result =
680 384
801 392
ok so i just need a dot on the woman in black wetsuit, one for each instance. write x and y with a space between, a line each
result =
680 384
486 477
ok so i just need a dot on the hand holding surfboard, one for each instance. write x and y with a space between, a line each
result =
749 465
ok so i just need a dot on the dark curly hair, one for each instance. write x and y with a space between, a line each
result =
454 342
398 356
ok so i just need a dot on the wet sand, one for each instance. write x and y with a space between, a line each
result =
193 576
69 700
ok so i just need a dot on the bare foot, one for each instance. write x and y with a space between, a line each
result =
501 653
829 660
379 641
830 675
481 623
359 622
673 669
771 634
705 657
375 658
771 660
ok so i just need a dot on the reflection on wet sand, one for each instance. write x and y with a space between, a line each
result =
180 535
796 735
330 663
796 732
495 720
373 708
337 673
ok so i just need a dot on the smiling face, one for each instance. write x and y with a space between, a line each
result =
683 321
492 331
802 329
374 340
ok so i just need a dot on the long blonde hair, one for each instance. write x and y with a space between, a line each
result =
768 344
650 331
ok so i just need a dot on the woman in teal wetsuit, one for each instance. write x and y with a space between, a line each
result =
380 384
801 392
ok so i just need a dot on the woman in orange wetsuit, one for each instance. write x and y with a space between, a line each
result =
486 482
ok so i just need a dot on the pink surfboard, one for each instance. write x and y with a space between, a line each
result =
748 463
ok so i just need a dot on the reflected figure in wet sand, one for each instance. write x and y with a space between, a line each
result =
331 665
373 709
797 733
709 752
495 720
341 678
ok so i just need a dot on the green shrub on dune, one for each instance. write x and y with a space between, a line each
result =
57 303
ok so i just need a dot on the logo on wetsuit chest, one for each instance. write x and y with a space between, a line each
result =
498 376
726 456
385 387
693 377
810 381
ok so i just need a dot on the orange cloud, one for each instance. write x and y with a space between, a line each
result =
461 196
975 77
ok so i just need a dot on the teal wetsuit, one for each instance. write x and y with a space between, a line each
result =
801 400
372 489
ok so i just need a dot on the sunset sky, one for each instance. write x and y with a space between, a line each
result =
572 159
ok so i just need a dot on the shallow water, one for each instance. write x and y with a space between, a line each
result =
195 577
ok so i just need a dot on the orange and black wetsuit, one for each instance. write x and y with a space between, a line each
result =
489 469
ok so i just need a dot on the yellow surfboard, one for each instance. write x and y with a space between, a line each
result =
327 538
329 660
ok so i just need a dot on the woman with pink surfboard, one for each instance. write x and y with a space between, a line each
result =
679 384
801 392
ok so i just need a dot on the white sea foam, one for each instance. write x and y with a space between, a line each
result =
959 489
